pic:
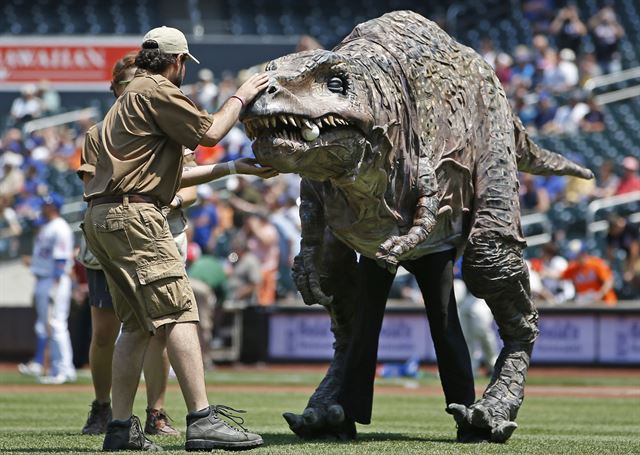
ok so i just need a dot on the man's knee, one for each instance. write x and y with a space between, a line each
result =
105 336
41 329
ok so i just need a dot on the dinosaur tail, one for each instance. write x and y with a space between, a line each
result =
535 160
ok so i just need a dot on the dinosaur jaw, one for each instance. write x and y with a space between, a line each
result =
318 148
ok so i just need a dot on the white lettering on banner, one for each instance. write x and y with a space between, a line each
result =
309 336
565 339
620 339
54 58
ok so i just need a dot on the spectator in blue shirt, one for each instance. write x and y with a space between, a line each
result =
204 218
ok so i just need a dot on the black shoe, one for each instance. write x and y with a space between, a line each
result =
127 435
206 430
98 419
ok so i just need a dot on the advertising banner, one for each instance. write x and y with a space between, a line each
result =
67 63
620 339
565 338
308 336
588 338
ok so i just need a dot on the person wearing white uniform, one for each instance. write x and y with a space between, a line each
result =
51 264
476 321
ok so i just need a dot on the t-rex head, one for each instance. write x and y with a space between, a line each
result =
314 118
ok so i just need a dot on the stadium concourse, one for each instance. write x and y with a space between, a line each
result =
571 71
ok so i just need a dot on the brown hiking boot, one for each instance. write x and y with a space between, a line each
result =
158 423
206 430
98 418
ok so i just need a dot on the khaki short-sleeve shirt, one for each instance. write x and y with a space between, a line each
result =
142 139
90 151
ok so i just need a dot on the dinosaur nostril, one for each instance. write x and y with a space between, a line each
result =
271 90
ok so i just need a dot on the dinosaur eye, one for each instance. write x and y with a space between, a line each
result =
336 85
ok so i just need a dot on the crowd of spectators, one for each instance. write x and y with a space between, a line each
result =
244 234
545 81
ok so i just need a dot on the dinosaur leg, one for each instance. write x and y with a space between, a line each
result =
324 418
495 271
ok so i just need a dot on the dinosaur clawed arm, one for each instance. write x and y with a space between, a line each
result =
395 248
307 278
305 272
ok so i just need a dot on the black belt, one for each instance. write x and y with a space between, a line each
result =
119 199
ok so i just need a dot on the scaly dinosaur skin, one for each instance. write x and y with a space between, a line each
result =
407 146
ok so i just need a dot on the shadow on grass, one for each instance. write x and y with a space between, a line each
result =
270 439
280 439
65 449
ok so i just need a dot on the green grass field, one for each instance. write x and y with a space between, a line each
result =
48 419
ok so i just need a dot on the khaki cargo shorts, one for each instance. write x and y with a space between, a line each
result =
145 273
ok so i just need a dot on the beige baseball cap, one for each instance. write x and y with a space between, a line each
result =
170 41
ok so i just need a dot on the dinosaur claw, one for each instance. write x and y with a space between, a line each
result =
480 417
503 431
335 415
459 412
294 420
310 417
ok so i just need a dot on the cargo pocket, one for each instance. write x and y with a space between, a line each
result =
112 237
164 288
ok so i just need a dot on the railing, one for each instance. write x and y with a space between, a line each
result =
614 78
537 219
60 119
594 207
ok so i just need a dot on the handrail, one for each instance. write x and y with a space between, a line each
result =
599 204
543 220
618 95
612 78
60 119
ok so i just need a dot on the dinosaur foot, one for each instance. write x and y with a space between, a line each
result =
476 424
326 424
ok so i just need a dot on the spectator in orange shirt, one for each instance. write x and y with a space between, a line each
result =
591 276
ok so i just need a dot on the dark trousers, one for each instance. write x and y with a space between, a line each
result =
434 274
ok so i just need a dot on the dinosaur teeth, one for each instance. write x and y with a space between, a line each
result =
331 120
318 122
306 123
325 120
283 119
272 121
291 120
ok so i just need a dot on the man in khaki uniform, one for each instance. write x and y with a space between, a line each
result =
138 172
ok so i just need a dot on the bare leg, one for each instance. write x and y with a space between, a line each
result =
105 327
128 358
184 352
156 369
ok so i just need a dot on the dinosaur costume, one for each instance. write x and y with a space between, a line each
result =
408 148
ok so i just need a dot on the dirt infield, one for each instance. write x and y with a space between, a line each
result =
414 390
404 387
